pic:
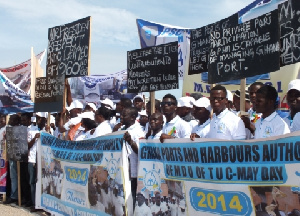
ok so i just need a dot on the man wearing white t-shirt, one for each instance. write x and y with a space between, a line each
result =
293 100
33 136
202 111
174 127
156 124
133 133
224 124
270 124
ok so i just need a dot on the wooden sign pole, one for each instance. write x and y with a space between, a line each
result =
242 96
152 101
19 182
5 153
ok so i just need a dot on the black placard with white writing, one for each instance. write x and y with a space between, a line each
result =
68 49
49 92
17 145
246 50
153 68
289 19
200 43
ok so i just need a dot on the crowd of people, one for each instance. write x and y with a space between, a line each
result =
217 116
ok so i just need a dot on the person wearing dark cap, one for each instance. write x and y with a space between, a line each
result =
270 124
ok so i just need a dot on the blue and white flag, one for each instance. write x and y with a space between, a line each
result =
12 98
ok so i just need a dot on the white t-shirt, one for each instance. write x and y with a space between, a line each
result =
73 121
32 151
156 136
227 126
136 133
155 208
173 208
118 202
202 130
294 124
102 129
177 128
142 210
271 126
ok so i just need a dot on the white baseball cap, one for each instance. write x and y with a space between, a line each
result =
42 114
108 102
143 113
229 96
185 102
75 104
89 115
93 106
203 102
138 96
33 119
52 119
294 84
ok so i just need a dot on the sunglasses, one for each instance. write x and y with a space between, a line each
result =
216 98
167 103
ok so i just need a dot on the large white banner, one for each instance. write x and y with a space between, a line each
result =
214 177
87 177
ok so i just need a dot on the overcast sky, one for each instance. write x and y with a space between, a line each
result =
25 23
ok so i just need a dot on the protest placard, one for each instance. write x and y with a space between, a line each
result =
16 142
153 68
49 92
69 49
200 43
289 20
245 50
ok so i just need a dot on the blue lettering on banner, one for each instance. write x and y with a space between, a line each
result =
198 88
75 197
77 175
242 174
220 202
64 208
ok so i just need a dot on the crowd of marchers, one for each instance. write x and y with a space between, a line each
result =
217 116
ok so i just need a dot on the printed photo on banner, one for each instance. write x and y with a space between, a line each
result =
94 88
159 196
275 200
106 191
